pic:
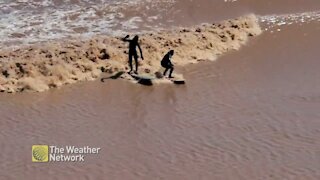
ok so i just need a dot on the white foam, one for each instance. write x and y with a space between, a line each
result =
276 21
30 21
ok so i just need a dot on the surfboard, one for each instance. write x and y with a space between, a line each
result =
143 79
177 81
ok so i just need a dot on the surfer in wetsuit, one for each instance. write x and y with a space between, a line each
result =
133 52
166 63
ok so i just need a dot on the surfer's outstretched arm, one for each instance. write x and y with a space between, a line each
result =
140 51
126 39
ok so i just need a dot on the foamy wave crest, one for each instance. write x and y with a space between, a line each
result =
44 66
30 21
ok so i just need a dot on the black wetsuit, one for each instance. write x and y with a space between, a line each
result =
133 52
166 63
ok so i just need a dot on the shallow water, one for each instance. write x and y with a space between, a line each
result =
252 114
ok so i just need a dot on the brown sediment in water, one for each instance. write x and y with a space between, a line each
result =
41 67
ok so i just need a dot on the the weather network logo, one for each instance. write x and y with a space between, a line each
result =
52 153
40 153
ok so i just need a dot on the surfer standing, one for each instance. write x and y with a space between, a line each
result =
166 63
133 43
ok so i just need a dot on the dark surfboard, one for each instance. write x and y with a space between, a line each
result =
178 82
144 80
